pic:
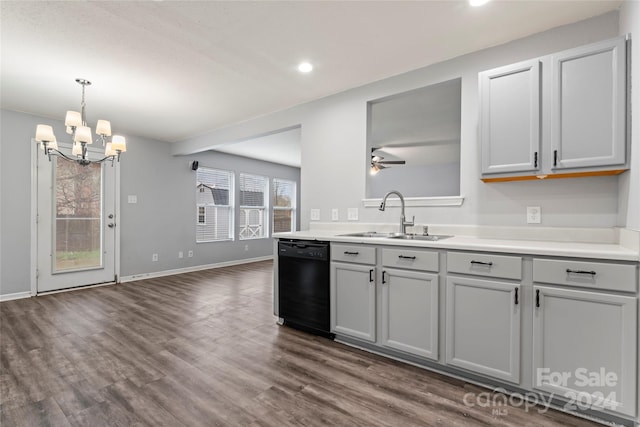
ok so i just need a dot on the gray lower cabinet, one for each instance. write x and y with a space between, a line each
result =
584 346
410 312
483 327
583 332
353 300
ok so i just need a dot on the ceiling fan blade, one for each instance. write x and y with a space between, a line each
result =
393 162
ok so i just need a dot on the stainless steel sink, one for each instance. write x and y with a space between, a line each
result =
428 237
369 234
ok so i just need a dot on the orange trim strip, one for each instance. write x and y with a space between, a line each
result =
555 176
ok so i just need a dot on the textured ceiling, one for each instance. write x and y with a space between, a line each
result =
171 70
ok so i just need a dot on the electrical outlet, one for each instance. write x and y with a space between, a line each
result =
246 247
315 214
132 198
534 214
154 257
190 254
335 215
180 254
352 214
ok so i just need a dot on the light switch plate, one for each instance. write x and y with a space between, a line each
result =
315 214
352 214
335 215
534 214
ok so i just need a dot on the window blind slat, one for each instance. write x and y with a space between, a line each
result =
214 194
253 212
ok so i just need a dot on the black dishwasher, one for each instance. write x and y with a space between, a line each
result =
303 285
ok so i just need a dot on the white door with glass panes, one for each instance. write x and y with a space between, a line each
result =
76 223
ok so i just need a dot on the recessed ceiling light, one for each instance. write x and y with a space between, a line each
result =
478 2
305 67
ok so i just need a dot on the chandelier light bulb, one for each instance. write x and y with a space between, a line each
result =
44 133
73 119
118 143
103 128
109 151
83 134
77 149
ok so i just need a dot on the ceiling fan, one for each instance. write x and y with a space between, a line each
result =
378 163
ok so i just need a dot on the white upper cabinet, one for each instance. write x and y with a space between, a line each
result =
560 114
510 118
588 120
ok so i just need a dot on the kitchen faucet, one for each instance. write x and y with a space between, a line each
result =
403 223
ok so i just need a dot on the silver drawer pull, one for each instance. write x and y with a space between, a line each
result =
593 273
482 263
351 253
406 257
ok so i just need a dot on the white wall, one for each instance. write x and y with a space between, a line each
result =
16 131
335 161
629 209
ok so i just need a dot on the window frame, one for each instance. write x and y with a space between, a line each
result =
209 208
263 225
293 208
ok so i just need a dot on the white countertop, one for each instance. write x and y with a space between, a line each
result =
606 251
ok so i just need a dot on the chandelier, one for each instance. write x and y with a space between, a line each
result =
81 135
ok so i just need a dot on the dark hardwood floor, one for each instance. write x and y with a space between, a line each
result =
203 349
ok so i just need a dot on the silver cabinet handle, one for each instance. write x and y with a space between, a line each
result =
351 253
406 257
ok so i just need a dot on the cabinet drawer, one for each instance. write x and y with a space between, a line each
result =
587 274
410 258
353 253
477 264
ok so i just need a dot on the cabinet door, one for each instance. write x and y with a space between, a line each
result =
410 312
510 118
589 105
483 327
584 347
353 300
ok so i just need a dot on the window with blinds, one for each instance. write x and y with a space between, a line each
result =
253 206
284 205
214 205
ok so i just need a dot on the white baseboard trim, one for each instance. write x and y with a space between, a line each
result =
17 295
134 277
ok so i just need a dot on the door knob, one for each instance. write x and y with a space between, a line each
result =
111 225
